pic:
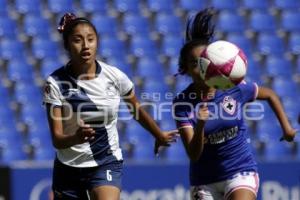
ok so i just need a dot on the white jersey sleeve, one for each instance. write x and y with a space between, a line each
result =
124 83
51 93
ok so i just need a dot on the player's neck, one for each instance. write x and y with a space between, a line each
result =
82 71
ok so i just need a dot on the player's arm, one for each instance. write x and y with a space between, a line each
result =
193 138
147 121
61 140
273 100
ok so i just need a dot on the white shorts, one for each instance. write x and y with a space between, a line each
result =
222 189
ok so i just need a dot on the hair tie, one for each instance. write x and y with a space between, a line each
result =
66 19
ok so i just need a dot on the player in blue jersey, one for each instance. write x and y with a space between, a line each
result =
212 128
82 100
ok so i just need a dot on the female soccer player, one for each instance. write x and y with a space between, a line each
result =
82 100
222 165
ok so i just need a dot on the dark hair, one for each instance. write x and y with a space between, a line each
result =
68 22
199 31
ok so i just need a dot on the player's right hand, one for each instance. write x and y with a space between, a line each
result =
84 133
203 112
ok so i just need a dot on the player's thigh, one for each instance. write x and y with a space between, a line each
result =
242 194
66 183
106 192
243 185
205 192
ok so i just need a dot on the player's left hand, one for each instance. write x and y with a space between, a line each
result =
289 135
166 139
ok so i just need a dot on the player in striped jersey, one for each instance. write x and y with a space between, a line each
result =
212 127
82 100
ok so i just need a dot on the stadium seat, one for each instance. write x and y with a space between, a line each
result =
42 144
269 44
182 82
28 6
94 6
291 107
173 66
135 24
3 8
290 21
255 5
143 151
285 87
278 67
9 154
12 49
105 25
48 66
171 46
286 4
167 24
242 42
225 5
153 87
60 6
36 26
226 21
110 47
141 46
254 69
42 48
127 6
261 21
276 150
268 131
136 134
166 6
18 70
7 118
191 5
8 28
147 67
294 43
28 94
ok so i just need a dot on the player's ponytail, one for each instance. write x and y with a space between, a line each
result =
199 31
201 26
67 24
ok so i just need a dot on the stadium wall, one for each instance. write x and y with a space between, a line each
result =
154 181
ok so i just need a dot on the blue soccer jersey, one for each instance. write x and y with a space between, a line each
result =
227 149
94 101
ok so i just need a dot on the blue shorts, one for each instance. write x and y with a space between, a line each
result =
70 183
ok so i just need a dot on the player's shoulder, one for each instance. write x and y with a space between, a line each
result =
57 75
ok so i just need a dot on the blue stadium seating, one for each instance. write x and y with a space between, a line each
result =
36 26
135 24
3 8
242 42
12 49
27 94
18 70
110 47
227 18
48 66
261 21
290 21
286 4
191 5
278 67
255 5
105 25
8 28
269 44
60 6
275 150
28 6
168 24
171 46
294 43
141 46
9 154
94 6
147 67
225 5
285 87
42 48
127 6
176 152
166 6
122 64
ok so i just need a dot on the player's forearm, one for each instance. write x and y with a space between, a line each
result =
147 122
275 104
196 145
61 141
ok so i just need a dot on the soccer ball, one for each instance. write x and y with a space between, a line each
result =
223 65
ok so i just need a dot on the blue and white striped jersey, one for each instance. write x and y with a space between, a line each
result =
96 102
